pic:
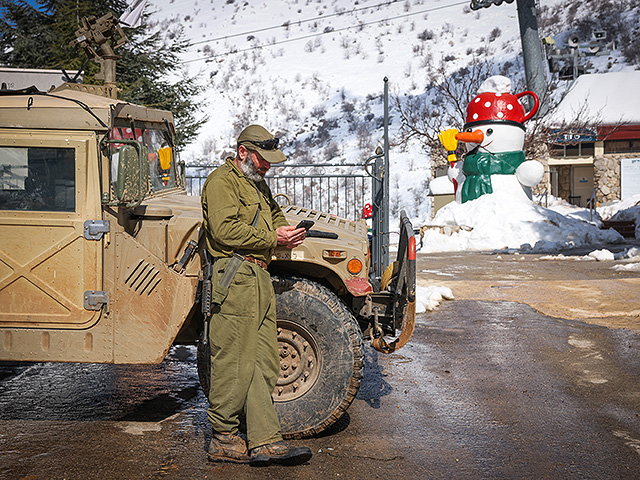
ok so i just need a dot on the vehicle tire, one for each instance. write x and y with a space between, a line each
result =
321 357
319 334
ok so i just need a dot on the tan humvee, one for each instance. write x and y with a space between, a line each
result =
100 257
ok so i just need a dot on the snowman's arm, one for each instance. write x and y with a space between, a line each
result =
530 173
450 143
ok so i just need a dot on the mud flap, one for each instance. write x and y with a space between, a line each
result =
401 278
409 325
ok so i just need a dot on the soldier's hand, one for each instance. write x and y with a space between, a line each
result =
290 236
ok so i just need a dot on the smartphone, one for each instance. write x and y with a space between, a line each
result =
306 224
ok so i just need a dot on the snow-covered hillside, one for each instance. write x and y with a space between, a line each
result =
313 70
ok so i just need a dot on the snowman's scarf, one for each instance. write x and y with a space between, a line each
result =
479 166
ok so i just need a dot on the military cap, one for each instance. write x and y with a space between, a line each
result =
258 139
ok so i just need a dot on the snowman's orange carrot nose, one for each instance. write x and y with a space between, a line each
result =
470 137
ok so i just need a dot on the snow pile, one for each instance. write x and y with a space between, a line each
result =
631 257
632 254
628 267
496 222
429 298
567 209
623 210
572 258
603 255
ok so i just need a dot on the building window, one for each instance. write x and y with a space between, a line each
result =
584 149
35 178
621 146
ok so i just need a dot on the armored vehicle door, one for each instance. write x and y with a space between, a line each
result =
50 261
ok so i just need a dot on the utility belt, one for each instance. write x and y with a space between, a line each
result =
211 295
257 261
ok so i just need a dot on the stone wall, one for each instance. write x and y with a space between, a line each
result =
606 177
544 186
564 181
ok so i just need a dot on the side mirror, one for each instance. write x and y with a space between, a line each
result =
130 172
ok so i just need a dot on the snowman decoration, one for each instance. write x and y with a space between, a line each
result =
494 136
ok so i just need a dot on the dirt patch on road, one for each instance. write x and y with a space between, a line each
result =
589 291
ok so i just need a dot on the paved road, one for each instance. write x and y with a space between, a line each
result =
573 288
485 389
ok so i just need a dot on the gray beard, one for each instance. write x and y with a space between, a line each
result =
249 169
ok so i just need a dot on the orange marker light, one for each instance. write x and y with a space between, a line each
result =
334 254
354 266
412 248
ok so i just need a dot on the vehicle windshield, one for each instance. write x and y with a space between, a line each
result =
160 155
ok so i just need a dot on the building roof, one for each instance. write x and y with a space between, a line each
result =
604 98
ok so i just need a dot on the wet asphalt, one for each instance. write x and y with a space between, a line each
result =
484 390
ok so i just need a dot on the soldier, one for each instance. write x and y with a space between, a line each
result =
243 225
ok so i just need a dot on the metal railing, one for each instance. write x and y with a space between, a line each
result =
343 194
591 203
543 198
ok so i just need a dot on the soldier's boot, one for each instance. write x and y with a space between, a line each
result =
228 447
279 452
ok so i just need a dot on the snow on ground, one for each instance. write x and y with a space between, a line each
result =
627 267
630 258
623 210
428 298
496 222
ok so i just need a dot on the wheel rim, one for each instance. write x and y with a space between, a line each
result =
299 361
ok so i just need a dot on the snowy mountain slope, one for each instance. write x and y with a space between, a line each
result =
302 68
313 71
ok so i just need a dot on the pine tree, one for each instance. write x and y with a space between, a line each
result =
41 37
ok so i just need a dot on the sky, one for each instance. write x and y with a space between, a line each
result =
33 3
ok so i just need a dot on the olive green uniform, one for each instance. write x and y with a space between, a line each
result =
245 363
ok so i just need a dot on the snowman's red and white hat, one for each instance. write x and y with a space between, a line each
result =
495 104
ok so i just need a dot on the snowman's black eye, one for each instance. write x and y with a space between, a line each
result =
489 131
468 129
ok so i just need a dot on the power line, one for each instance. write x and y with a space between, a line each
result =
304 37
299 22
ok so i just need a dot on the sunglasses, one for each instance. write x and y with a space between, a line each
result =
270 144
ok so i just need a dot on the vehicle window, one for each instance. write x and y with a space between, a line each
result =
37 178
162 171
